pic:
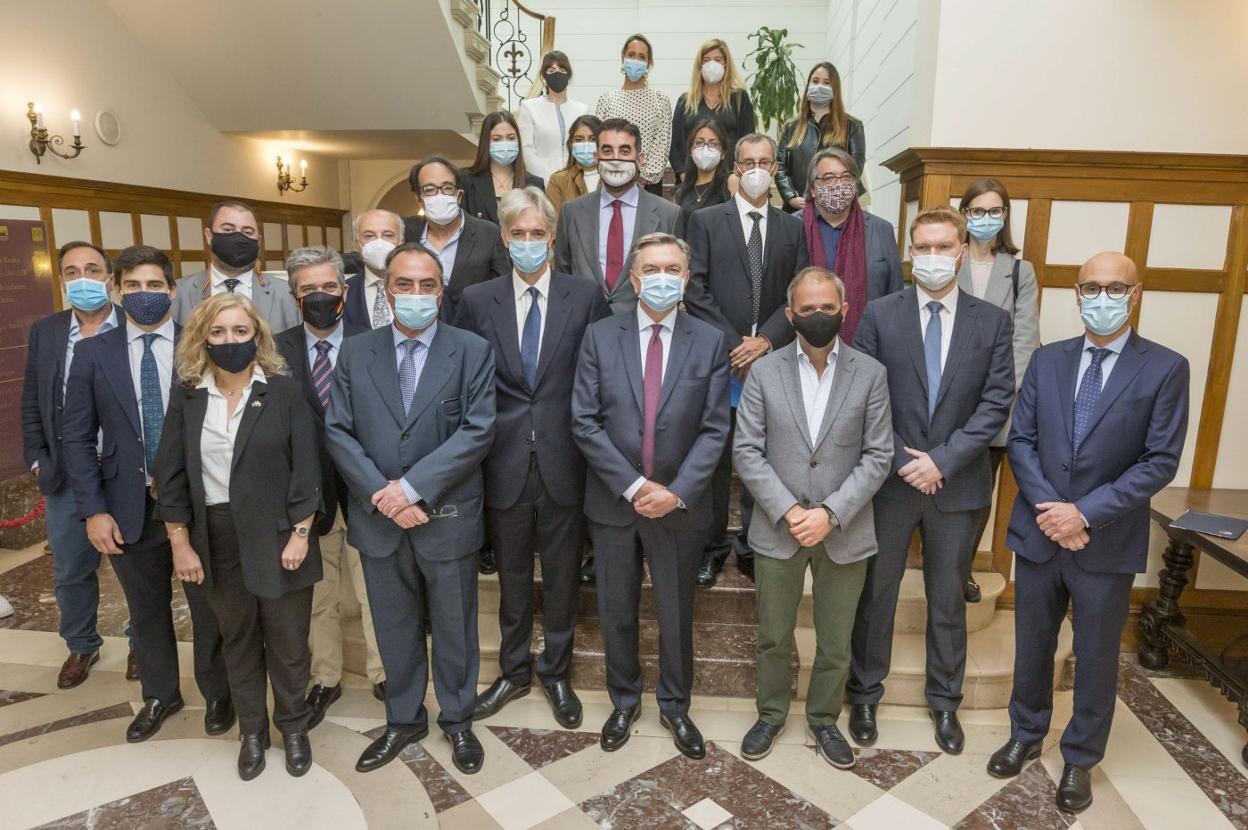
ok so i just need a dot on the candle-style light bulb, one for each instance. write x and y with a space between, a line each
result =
77 119
38 115
303 167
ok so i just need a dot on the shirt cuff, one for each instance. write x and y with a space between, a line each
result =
634 487
1086 524
412 496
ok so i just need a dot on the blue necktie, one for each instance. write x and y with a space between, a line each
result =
407 372
931 352
529 341
153 401
1088 395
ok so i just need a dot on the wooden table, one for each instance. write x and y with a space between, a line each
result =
1162 625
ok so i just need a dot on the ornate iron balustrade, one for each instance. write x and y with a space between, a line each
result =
518 37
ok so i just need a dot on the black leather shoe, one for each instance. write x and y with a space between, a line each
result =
1074 793
949 735
564 703
251 754
501 692
757 743
485 561
319 700
971 592
707 572
219 716
618 728
862 723
587 571
379 691
298 753
150 718
831 744
466 752
386 748
1008 761
687 737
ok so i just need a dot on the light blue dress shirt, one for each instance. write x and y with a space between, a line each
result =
1107 365
334 339
628 214
446 256
419 358
75 334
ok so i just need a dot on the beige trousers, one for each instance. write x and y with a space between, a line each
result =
328 599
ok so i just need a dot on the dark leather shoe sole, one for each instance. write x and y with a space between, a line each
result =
697 753
138 738
863 735
361 766
251 773
999 771
220 727
946 746
1077 807
74 682
611 745
464 766
484 712
565 722
298 770
758 756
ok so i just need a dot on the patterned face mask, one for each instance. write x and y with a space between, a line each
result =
834 198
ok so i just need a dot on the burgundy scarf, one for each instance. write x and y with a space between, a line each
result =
851 260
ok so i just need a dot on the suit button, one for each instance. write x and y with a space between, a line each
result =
59 407
806 503
142 471
406 434
1065 466
533 401
813 463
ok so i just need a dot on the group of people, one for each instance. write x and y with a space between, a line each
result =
418 396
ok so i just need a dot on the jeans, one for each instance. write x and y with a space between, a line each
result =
74 566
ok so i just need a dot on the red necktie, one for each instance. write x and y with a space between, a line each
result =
653 385
615 246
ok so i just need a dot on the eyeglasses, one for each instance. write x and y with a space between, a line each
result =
980 213
751 164
713 144
831 178
434 190
1092 290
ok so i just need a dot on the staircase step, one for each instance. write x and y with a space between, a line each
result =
912 603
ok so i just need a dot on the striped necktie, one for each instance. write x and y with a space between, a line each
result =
322 372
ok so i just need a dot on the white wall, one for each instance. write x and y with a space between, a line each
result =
83 57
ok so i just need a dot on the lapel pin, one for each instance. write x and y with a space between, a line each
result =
256 404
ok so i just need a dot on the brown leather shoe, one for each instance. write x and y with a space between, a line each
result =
76 668
132 666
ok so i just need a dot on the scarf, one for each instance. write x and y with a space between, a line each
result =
851 260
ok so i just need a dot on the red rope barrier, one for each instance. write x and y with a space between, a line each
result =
34 513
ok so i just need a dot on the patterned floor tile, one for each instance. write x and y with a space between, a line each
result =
120 710
444 791
1027 801
886 768
539 747
176 804
8 697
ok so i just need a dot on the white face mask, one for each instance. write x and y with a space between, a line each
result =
756 182
706 157
617 172
441 209
712 72
933 271
375 252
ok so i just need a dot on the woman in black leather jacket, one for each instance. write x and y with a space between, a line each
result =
821 122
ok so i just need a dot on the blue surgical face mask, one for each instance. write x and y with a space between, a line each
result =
985 228
662 291
504 152
1103 315
528 257
634 69
147 308
416 311
585 152
86 294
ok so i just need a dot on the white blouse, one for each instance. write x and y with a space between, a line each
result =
545 145
216 441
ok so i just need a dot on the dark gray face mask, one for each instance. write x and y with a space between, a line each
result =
818 329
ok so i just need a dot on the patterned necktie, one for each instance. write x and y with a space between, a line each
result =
322 372
381 309
529 341
153 403
1088 395
754 248
931 352
615 246
231 284
652 385
407 372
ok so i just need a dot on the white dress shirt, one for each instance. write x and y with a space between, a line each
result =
628 215
216 439
1107 364
524 300
980 274
744 208
816 389
372 284
947 315
162 348
418 358
644 333
335 343
244 282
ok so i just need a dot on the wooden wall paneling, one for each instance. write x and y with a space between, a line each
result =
175 247
136 227
1139 230
934 190
45 216
97 235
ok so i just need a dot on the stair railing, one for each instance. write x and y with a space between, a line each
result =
518 37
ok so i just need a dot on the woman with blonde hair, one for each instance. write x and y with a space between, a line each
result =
821 122
238 488
716 91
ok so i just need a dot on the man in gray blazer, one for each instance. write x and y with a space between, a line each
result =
812 487
650 414
596 231
233 237
410 420
950 381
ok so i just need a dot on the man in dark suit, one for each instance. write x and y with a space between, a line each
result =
376 233
410 420
316 280
950 369
744 254
1098 430
114 412
534 477
650 413
85 272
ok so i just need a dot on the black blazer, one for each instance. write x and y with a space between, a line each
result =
293 347
719 272
357 312
275 480
481 256
479 199
533 420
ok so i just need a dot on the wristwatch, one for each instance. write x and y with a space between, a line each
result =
301 531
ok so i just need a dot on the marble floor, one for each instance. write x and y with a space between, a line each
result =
1173 760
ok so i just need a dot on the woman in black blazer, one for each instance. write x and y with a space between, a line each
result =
498 167
238 485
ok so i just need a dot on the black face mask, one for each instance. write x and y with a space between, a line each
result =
322 310
818 329
235 249
558 81
232 357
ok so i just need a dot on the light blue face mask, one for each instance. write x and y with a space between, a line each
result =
634 69
1103 315
985 228
416 311
504 152
585 153
86 294
528 256
662 291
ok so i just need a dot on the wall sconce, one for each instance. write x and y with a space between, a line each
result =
286 182
41 142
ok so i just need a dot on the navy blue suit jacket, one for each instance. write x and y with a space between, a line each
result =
1130 452
356 313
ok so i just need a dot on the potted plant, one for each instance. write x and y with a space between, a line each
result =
773 84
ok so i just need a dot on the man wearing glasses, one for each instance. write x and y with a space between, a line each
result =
1098 429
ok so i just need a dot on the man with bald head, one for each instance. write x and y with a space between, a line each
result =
1098 430
377 233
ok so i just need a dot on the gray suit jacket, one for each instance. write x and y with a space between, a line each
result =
576 240
437 447
1024 310
841 467
271 296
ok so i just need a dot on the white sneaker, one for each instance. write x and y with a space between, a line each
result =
6 609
